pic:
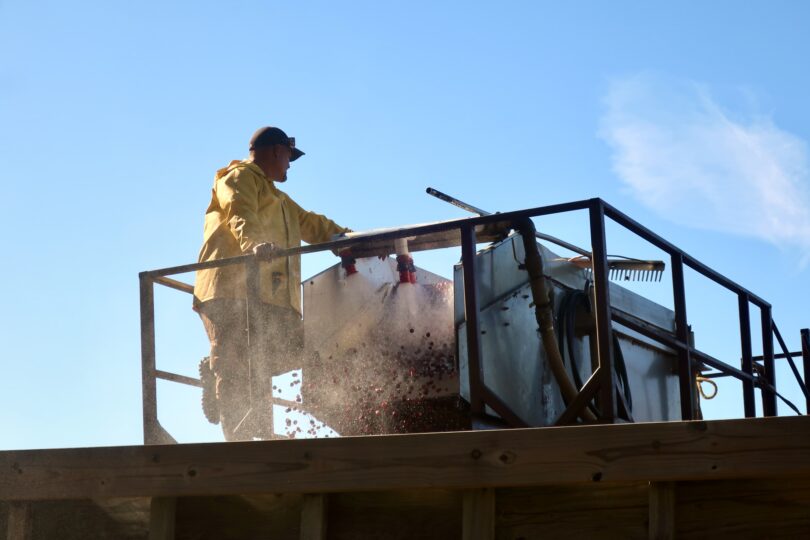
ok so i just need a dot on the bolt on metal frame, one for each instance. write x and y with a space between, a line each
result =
602 385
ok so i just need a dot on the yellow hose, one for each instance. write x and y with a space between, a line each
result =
700 381
545 318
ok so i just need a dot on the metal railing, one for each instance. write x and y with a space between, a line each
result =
601 385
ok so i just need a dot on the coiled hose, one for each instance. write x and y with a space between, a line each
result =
573 302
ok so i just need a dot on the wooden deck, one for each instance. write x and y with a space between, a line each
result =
747 478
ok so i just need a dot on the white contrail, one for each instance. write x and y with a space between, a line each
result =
687 158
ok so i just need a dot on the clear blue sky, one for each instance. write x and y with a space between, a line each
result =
114 117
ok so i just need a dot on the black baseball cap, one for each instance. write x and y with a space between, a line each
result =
271 136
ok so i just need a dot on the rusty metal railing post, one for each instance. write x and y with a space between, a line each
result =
787 355
148 377
686 376
253 291
805 333
769 407
471 317
604 332
747 358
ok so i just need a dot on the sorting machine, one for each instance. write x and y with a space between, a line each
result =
393 352
520 337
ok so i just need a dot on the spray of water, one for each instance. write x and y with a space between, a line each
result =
380 358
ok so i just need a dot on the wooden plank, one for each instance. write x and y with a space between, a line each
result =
662 511
750 448
597 510
758 508
257 516
162 518
131 514
314 517
84 519
478 518
396 515
20 521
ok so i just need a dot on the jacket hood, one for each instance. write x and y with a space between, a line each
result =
239 164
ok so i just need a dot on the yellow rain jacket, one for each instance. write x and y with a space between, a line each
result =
247 210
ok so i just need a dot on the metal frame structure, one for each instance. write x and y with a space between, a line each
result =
601 385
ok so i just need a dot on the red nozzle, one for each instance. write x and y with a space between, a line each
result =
406 269
347 261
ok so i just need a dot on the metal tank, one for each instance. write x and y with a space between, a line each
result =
381 353
514 363
390 357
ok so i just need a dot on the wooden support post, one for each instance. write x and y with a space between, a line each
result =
478 518
314 517
662 511
161 518
20 522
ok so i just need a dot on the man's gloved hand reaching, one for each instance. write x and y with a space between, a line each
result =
263 251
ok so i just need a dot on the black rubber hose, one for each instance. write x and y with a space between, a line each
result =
566 335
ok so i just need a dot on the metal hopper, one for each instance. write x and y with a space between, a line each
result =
382 355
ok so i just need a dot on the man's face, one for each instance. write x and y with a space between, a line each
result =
281 162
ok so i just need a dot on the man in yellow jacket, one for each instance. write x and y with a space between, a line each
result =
249 214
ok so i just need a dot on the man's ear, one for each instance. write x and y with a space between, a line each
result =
266 153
